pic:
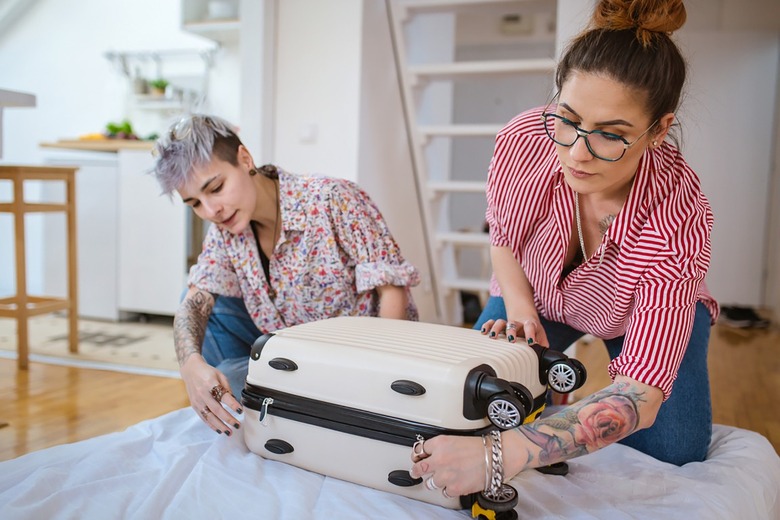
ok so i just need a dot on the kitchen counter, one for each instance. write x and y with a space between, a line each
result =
100 145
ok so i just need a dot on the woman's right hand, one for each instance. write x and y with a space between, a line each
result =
208 390
527 327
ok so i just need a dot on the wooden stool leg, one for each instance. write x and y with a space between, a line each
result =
73 291
21 277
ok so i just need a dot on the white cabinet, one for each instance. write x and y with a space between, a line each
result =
152 240
96 224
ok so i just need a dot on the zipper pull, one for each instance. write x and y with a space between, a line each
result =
268 401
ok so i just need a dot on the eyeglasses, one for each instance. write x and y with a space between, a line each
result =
601 145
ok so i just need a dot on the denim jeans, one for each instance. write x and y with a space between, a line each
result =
230 334
683 428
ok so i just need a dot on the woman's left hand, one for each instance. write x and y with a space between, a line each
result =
454 465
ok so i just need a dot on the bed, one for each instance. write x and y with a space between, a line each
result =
174 467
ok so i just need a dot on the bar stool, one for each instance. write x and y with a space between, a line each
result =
22 306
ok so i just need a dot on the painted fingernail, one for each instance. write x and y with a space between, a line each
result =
219 432
236 426
482 330
510 337
240 410
530 341
228 432
492 334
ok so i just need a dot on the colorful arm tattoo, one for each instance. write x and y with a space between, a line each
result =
597 421
189 325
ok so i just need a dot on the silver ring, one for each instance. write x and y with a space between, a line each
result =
205 412
444 492
511 326
418 449
430 484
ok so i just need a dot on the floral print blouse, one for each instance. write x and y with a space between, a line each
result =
333 251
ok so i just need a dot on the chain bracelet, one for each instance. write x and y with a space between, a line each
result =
497 474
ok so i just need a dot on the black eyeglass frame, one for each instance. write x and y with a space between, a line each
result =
585 133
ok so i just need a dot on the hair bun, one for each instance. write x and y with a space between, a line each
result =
646 16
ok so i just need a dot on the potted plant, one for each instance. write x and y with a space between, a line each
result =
158 86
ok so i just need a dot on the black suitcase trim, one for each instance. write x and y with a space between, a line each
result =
344 419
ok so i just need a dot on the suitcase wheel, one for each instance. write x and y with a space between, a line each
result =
403 386
505 411
565 376
280 363
559 468
504 500
278 446
402 478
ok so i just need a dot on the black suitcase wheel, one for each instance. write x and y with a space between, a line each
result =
504 500
581 368
505 411
563 376
559 468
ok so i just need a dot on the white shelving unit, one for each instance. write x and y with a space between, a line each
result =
186 70
221 25
514 40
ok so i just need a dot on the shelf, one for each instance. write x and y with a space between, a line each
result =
464 239
153 102
222 31
466 284
481 68
457 187
460 130
12 98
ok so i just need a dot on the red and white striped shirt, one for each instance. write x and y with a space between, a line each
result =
655 253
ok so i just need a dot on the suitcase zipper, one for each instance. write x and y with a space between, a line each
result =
268 401
340 418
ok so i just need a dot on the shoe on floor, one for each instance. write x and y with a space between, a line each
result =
742 317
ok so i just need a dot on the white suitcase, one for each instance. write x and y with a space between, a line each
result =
348 397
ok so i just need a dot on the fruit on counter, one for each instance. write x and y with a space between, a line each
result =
123 130
92 137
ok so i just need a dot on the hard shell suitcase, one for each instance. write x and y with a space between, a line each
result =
348 397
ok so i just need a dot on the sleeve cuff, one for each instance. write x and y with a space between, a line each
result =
371 275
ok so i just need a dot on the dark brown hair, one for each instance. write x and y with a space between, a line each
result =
629 41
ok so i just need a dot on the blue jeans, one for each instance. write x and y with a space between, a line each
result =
683 428
230 334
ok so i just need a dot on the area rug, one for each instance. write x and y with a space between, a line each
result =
125 346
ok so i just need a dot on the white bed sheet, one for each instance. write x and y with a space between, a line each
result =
174 467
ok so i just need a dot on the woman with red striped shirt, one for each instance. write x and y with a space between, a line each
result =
598 226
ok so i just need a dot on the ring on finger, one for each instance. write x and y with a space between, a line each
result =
418 448
430 484
217 391
205 412
444 492
511 326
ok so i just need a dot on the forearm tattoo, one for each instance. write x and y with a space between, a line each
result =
189 325
602 419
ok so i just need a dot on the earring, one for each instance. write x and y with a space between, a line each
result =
655 143
252 172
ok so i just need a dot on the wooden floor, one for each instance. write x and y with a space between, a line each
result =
50 405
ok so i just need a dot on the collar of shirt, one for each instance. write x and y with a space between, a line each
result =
636 203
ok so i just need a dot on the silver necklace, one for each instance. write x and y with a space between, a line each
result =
579 232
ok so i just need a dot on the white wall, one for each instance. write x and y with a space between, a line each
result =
338 112
317 89
728 128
